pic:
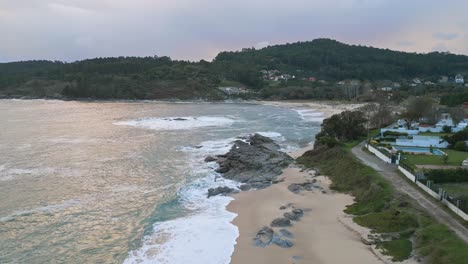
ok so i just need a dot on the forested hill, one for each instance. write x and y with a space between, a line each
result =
330 59
163 78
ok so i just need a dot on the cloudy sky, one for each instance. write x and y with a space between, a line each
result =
198 29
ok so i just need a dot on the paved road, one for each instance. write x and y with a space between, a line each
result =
432 207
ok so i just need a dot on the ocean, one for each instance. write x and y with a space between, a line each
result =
126 182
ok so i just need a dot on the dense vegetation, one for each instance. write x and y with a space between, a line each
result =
454 99
162 78
379 207
447 176
329 59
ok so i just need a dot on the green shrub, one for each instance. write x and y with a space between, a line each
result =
400 249
446 176
395 134
460 146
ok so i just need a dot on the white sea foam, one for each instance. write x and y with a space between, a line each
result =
178 123
310 115
207 234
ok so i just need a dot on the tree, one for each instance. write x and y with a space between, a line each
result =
343 127
457 114
460 146
460 136
420 108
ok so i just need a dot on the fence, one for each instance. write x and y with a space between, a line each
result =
383 156
459 207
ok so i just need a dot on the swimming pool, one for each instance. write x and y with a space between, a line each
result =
435 151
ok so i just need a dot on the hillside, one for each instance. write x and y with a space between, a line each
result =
163 78
332 60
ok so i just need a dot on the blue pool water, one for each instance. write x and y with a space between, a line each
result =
437 152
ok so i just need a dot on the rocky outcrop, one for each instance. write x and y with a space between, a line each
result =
257 161
266 236
220 190
210 159
306 186
281 222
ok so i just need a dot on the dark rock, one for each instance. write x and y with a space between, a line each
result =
210 159
277 181
324 192
198 147
298 187
222 170
309 186
281 222
179 119
317 172
298 212
260 185
220 190
295 188
286 233
291 216
259 161
264 237
245 187
284 243
283 207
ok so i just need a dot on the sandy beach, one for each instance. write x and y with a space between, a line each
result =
319 237
327 108
325 234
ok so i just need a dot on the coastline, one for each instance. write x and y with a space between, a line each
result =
322 231
317 235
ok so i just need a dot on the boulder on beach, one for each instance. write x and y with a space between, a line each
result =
220 190
286 233
264 237
291 216
257 160
284 243
306 186
281 222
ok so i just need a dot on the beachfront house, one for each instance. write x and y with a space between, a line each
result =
459 79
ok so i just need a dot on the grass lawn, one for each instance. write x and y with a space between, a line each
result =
455 158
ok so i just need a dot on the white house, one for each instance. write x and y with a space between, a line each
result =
443 79
459 79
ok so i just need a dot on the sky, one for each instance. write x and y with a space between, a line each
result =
70 30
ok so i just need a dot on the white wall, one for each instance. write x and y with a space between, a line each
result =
379 154
407 174
456 210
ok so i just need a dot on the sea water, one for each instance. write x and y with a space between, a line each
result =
125 182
